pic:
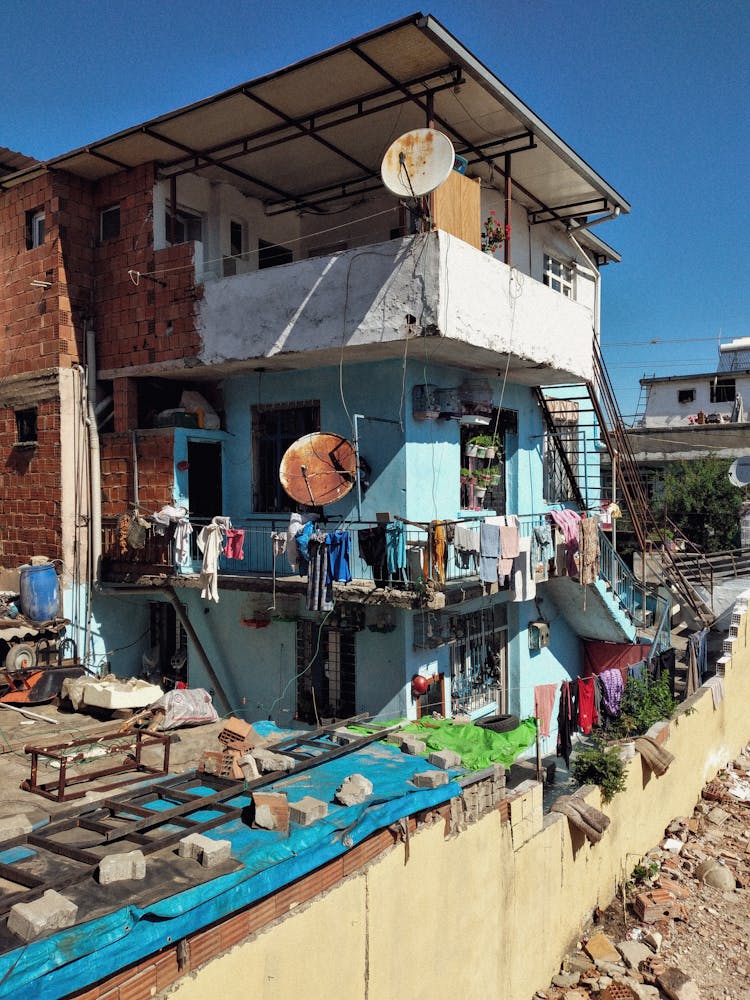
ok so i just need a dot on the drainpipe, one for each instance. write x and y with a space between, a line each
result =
182 616
95 486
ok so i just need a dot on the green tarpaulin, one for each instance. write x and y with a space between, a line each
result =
477 747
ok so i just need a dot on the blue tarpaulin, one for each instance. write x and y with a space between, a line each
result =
91 950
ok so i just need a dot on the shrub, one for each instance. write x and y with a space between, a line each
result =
600 765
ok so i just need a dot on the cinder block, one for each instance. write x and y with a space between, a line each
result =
307 811
14 826
411 745
50 913
444 758
204 850
353 790
119 867
430 779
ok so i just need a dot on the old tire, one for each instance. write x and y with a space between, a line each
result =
500 723
20 656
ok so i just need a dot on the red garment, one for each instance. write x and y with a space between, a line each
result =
587 716
234 543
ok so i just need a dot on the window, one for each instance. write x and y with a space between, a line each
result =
182 227
109 223
722 390
26 431
325 672
274 429
563 442
273 254
479 660
558 276
34 228
686 395
237 243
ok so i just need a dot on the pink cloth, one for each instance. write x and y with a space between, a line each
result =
233 545
509 541
544 702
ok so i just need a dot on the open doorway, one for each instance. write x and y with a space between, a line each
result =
204 479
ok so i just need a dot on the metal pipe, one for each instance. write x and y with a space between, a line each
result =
136 500
355 425
508 207
95 485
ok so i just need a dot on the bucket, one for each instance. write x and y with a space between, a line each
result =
40 592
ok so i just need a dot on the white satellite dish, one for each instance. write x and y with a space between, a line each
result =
739 472
417 163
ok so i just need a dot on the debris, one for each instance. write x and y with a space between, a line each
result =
353 790
271 811
718 816
715 874
633 952
307 811
677 985
601 949
411 745
121 867
430 779
204 850
269 762
657 905
672 844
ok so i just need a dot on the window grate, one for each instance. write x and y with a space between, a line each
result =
326 669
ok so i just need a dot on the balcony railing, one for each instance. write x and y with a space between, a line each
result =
157 555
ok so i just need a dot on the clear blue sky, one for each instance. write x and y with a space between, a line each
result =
654 95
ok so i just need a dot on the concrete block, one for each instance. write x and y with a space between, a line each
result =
601 949
120 867
14 826
307 811
268 762
204 850
248 767
677 985
446 759
353 790
430 779
633 952
411 745
271 811
50 913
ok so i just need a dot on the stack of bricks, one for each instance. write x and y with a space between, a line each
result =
237 738
478 799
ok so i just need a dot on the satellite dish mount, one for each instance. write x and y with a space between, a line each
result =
416 164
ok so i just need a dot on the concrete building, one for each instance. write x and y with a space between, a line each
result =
186 298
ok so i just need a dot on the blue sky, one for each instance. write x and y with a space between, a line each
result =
654 95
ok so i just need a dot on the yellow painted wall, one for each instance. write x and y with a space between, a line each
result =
474 914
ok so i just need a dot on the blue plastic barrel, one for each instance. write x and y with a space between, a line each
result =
40 592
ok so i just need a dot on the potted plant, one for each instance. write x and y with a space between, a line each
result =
470 449
494 233
468 478
487 444
494 474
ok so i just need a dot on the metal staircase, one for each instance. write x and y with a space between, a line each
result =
600 424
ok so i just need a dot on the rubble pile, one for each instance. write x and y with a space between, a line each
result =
682 930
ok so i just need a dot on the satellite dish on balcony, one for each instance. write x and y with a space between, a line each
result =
318 469
417 163
739 472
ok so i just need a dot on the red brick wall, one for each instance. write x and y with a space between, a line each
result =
141 321
155 471
30 489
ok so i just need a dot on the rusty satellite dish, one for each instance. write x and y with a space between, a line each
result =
417 162
318 469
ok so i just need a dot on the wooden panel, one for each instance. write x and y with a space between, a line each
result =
456 208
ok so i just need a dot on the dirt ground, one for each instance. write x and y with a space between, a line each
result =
707 936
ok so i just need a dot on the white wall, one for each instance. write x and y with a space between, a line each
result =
663 408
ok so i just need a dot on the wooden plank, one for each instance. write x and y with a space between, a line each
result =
456 208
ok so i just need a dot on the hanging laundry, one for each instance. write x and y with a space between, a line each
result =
319 595
234 543
339 547
524 584
436 552
587 715
542 551
395 548
589 561
296 524
613 687
568 522
509 540
466 547
278 543
544 703
372 550
489 550
211 543
183 529
566 723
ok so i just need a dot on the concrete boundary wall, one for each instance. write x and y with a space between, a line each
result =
475 907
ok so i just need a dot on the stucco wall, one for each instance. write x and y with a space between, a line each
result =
470 913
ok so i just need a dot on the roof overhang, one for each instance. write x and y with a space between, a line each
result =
316 131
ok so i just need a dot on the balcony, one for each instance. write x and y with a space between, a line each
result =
475 309
419 585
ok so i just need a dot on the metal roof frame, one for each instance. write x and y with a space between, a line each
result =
334 114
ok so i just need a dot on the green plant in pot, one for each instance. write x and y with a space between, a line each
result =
487 445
